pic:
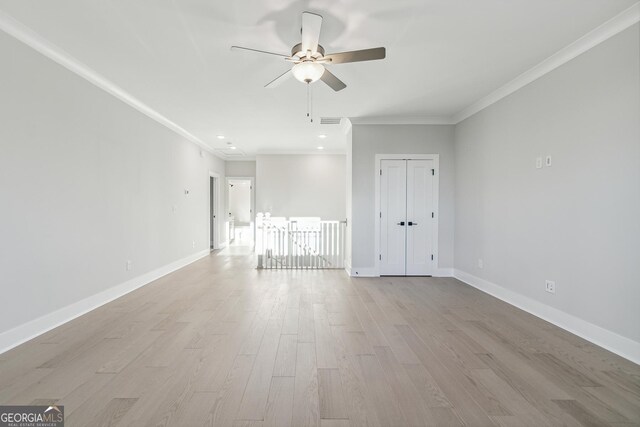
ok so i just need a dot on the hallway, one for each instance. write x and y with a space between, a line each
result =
221 343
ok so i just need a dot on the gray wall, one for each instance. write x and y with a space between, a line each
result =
86 183
302 185
369 140
241 168
576 222
349 200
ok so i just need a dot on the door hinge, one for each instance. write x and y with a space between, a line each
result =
433 215
431 257
380 171
380 214
433 171
380 257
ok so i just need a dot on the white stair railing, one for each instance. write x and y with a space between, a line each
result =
299 243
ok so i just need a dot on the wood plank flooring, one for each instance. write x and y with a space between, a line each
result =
221 343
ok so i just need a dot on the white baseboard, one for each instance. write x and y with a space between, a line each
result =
222 245
27 331
443 272
372 272
363 272
604 338
347 268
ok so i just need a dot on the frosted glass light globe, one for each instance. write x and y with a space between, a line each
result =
308 72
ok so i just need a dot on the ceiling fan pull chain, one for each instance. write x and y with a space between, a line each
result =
310 103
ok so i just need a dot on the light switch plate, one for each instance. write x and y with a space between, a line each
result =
550 286
539 163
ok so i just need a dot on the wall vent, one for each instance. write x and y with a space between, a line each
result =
330 120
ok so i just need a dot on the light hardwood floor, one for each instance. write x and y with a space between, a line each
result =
220 343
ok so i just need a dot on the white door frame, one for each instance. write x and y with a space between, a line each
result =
252 196
436 207
216 208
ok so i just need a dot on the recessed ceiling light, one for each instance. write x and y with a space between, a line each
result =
233 148
323 136
320 148
220 136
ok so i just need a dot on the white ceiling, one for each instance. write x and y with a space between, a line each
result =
174 56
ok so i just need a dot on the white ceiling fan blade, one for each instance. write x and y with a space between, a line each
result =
311 24
278 80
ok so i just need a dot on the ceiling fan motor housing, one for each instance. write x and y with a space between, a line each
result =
296 51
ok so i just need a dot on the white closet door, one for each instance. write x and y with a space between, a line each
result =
419 217
393 209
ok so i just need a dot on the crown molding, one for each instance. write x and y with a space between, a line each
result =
248 158
26 35
301 152
402 120
610 28
345 125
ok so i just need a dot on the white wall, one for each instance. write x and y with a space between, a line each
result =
240 201
86 183
301 185
369 140
576 222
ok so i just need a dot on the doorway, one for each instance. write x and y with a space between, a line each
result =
407 216
213 210
240 211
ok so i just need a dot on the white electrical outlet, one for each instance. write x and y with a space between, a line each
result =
547 161
550 286
194 243
129 265
538 162
480 263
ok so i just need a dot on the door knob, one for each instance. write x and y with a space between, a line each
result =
401 223
412 223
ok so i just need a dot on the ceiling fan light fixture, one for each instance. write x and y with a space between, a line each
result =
308 71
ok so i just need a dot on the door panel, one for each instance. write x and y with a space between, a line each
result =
393 207
419 220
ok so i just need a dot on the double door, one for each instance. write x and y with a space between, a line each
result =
406 217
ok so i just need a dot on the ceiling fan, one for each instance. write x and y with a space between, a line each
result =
309 58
